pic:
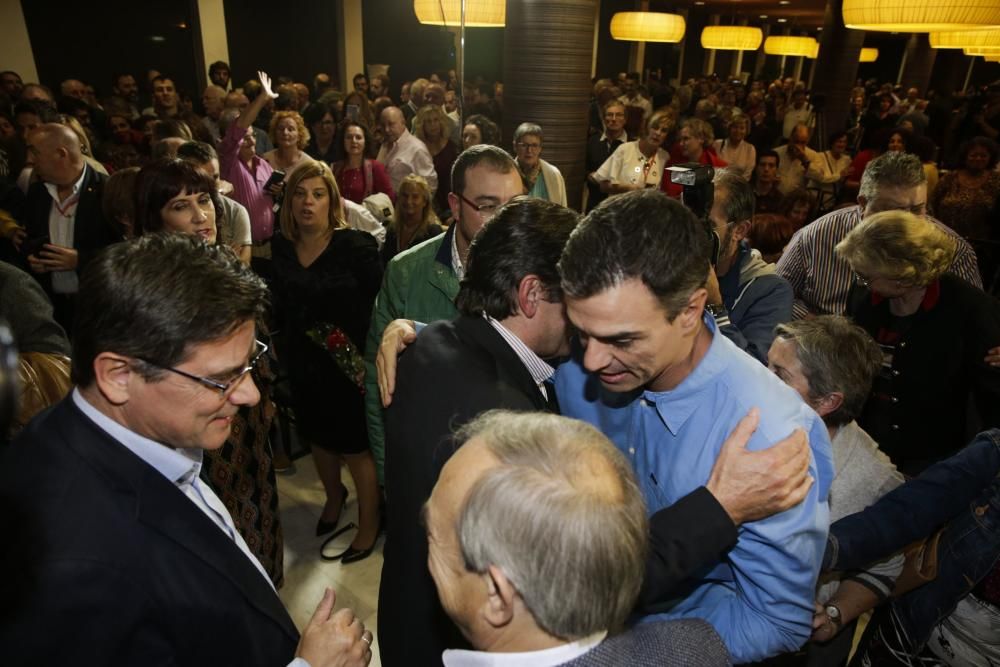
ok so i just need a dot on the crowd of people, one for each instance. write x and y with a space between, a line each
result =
668 430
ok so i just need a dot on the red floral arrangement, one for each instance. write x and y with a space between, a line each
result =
333 339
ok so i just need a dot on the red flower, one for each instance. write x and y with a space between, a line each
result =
336 340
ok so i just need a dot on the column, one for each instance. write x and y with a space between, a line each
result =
15 47
214 39
548 51
760 59
710 61
350 42
918 64
839 51
637 51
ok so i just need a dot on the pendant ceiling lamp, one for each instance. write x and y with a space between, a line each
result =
478 13
784 45
982 51
961 39
920 15
868 56
731 38
647 27
992 59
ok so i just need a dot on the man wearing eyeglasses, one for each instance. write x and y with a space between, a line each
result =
421 283
542 179
133 559
601 146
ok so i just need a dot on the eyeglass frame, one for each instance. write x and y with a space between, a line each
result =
222 388
485 211
528 147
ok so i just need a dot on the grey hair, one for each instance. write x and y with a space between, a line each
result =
891 169
836 356
572 543
528 128
739 196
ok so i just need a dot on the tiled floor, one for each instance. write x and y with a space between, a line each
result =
301 499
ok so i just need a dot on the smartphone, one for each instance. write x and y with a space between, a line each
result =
33 245
276 178
353 112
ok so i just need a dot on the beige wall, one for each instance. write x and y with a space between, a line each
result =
214 42
351 56
15 47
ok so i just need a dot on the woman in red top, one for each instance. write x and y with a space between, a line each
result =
358 176
695 140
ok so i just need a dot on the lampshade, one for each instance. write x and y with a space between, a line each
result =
731 38
982 51
960 39
783 45
920 15
868 56
992 59
647 27
478 13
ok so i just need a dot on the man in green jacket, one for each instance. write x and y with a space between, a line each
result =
421 283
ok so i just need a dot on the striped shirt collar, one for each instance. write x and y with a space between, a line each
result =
541 372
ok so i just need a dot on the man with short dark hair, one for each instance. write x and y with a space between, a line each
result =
601 146
360 83
166 103
491 356
745 296
522 488
767 195
657 378
11 84
125 96
219 74
133 556
422 283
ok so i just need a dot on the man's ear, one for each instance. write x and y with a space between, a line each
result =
741 229
500 597
529 292
863 203
829 403
113 376
690 315
455 204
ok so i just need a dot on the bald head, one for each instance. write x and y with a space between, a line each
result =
73 88
434 94
393 124
237 100
54 152
214 101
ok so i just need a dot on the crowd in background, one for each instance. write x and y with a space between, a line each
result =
891 220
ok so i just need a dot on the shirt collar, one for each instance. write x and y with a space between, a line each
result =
180 466
622 138
54 189
545 658
677 404
456 260
539 369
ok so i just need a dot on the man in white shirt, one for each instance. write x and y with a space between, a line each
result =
799 113
402 153
794 160
134 559
523 487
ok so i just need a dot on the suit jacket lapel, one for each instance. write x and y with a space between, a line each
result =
164 508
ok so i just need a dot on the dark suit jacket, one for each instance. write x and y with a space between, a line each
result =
454 371
123 568
91 232
689 641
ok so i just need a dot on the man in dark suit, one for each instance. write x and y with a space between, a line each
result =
130 558
537 532
601 146
491 356
63 220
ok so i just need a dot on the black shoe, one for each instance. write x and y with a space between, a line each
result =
323 556
324 527
353 555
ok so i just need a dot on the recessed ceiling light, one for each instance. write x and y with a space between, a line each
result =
763 16
782 20
784 2
699 2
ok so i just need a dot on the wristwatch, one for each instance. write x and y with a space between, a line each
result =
833 613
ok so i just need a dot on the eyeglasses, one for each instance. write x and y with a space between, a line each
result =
224 388
528 147
485 211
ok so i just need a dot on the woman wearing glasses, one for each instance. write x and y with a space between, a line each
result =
171 195
326 276
934 329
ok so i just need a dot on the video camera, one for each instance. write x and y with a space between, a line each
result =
698 196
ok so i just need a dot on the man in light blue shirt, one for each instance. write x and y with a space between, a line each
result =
656 378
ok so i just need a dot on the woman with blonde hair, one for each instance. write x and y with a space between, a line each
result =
290 136
695 142
637 164
433 127
326 276
934 329
414 221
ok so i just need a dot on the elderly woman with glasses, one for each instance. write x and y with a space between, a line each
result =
934 329
171 195
326 276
